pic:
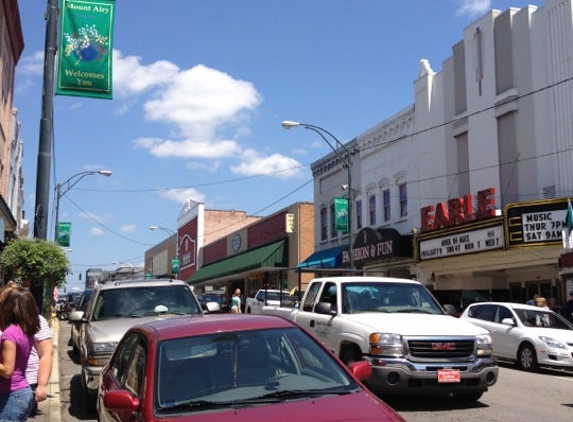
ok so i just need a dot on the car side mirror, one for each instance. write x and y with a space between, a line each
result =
508 321
324 308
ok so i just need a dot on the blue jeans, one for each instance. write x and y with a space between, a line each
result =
15 406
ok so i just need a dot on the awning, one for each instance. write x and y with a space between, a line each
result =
326 258
271 255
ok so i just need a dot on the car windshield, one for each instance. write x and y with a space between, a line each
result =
143 301
388 297
241 368
542 319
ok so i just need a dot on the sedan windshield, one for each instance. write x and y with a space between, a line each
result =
241 368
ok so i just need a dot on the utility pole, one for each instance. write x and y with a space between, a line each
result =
43 171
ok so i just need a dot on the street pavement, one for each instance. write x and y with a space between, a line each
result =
50 409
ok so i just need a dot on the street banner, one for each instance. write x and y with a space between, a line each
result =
64 234
341 214
85 48
175 266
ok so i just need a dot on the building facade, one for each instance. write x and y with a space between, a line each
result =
265 253
11 47
477 172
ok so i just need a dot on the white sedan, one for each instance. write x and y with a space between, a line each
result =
524 334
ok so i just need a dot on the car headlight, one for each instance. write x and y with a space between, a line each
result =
483 345
386 344
553 343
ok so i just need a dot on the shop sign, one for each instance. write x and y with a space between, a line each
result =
481 240
458 211
536 223
373 245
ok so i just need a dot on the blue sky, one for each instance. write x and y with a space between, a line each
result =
199 91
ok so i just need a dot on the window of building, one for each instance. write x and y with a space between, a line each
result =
323 224
403 199
386 204
332 221
359 214
372 209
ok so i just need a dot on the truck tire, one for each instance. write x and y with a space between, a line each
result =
527 357
351 354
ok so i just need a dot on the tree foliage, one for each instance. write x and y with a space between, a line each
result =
35 260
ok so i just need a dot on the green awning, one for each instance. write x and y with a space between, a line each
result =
271 255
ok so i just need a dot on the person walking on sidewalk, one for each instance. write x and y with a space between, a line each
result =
19 321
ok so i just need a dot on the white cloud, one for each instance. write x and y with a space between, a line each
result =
101 219
188 148
128 228
33 64
275 165
182 195
211 167
96 231
200 100
473 8
131 77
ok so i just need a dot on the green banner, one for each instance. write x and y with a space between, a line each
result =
64 234
85 48
341 214
175 266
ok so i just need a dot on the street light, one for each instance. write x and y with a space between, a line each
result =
171 233
63 188
288 124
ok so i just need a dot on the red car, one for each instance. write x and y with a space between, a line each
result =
230 367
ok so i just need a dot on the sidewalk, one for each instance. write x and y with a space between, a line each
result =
50 409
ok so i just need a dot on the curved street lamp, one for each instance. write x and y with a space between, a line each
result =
289 124
63 188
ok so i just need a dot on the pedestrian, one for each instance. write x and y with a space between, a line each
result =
568 312
541 302
39 366
236 302
553 305
19 321
533 300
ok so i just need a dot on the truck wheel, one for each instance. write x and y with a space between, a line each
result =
527 357
350 355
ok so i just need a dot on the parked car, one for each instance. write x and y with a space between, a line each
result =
221 367
75 325
69 305
527 335
114 308
206 298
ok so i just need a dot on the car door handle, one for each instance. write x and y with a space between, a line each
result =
312 323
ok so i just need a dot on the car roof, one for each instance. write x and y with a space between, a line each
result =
186 326
513 305
367 279
154 282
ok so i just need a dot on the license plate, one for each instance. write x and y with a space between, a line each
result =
448 375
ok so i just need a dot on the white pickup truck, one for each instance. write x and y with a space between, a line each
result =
254 305
402 331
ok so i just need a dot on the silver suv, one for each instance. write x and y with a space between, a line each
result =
114 307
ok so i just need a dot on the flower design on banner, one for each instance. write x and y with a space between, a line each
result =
86 45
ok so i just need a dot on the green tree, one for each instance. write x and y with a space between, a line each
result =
36 260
